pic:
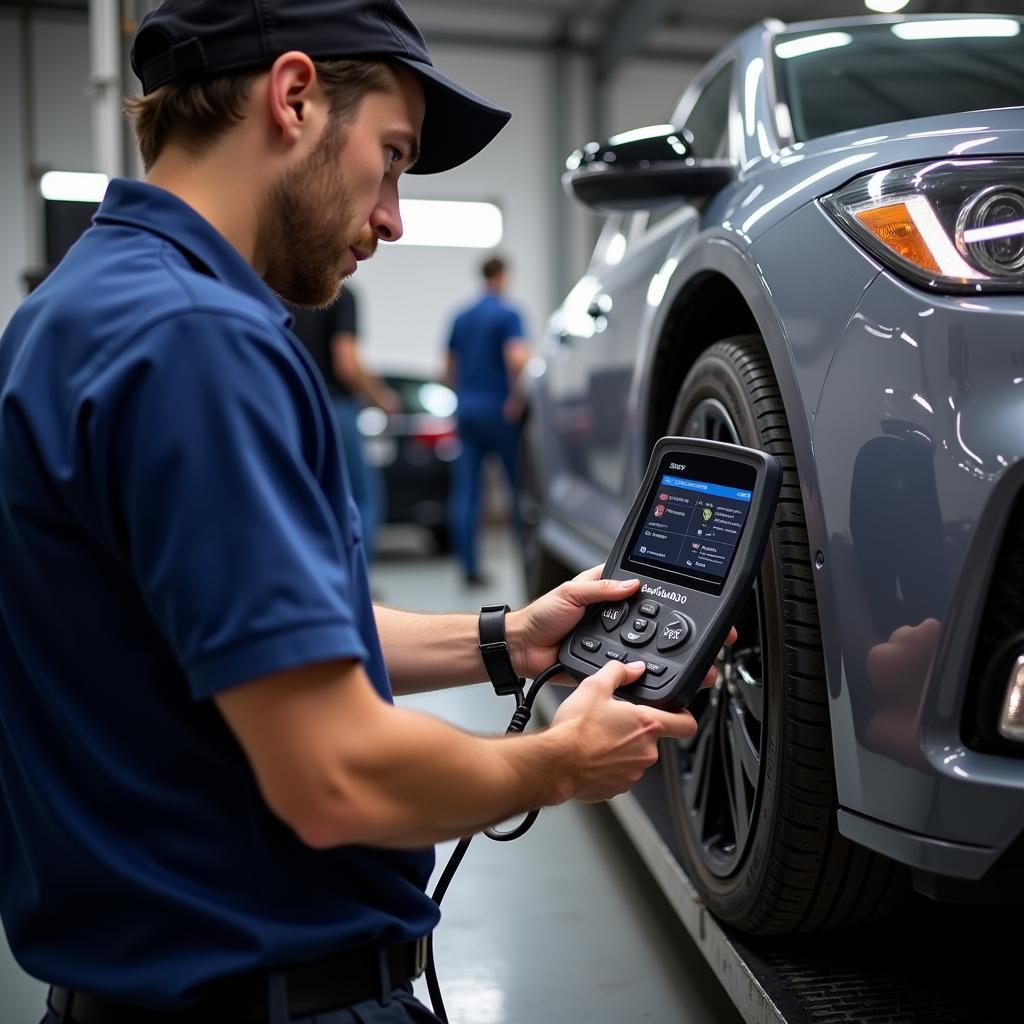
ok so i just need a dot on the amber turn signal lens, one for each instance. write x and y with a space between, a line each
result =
894 226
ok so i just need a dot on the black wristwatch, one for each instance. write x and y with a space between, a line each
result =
494 650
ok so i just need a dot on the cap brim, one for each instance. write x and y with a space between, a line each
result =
457 124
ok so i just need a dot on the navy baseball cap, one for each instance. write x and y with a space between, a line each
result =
188 39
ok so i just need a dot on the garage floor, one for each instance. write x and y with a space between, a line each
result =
563 925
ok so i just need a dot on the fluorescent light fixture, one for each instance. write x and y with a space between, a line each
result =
639 134
885 6
812 44
451 224
73 186
959 28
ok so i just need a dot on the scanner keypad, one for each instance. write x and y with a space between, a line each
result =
644 628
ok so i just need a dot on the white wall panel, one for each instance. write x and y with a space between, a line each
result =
645 92
407 293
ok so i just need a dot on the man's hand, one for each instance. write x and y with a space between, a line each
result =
536 631
616 742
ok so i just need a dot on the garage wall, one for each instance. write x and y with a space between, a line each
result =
62 128
644 92
13 220
407 293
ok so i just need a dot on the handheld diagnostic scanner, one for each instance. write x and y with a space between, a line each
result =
694 537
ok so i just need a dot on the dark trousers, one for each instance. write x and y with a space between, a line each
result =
481 435
366 481
402 1008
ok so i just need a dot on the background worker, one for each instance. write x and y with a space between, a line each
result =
331 335
210 808
487 351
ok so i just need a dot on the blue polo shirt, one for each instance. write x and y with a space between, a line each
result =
478 338
174 520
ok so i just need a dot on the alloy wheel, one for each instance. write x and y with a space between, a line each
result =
720 769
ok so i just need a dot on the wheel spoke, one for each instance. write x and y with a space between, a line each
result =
697 781
743 748
749 688
738 803
731 778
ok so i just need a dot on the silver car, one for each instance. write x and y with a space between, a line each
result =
821 254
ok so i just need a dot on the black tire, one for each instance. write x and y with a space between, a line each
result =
763 751
541 570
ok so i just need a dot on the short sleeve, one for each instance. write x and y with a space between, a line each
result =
206 442
513 326
344 314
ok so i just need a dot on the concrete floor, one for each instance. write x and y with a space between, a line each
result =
563 925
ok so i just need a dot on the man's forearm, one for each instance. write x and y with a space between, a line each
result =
427 782
430 652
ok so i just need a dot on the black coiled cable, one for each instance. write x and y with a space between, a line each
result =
520 720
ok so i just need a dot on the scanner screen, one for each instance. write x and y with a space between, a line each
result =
693 519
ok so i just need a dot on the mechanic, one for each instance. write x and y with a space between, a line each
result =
209 805
487 352
331 336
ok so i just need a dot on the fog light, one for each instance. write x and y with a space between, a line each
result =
1011 721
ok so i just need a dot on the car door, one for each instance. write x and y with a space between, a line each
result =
600 330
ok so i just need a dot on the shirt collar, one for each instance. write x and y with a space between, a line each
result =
158 211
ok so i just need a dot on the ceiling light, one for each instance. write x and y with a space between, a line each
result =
73 186
885 6
451 224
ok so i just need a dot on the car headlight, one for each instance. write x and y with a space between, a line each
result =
950 225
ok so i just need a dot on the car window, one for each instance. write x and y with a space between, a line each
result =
867 75
708 122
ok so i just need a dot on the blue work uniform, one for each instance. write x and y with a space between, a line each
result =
174 520
478 338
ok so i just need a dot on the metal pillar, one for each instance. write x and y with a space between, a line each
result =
33 204
561 121
105 81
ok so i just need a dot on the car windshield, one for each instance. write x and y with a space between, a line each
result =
837 80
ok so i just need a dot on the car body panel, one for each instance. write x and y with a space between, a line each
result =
928 446
883 382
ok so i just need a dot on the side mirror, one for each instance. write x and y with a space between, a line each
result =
643 168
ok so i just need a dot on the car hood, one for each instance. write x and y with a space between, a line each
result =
770 189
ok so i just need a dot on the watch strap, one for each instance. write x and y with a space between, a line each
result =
494 650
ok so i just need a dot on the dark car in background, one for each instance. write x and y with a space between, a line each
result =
414 449
821 255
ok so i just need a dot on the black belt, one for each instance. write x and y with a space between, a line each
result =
336 981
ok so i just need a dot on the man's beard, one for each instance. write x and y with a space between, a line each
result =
307 229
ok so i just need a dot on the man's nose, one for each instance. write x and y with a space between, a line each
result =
386 221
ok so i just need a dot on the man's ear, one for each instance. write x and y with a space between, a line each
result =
292 94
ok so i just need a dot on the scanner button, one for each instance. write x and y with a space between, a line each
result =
673 634
656 668
642 630
612 614
615 655
650 609
588 643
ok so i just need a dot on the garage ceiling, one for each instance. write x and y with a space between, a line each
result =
691 30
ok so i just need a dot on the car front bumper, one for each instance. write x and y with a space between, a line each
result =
918 438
